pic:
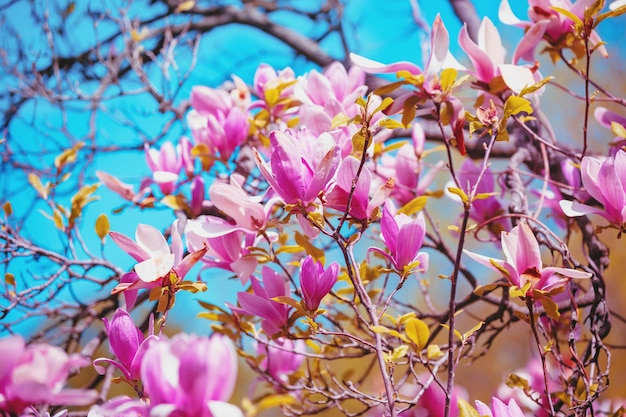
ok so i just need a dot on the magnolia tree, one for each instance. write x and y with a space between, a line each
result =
342 203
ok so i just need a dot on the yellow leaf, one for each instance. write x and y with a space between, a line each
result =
433 352
456 332
483 196
340 120
618 129
447 78
466 410
67 156
460 193
138 36
613 13
185 6
175 202
552 310
8 208
532 88
102 226
271 96
389 88
398 353
471 331
391 124
387 101
578 24
9 278
417 331
409 110
317 253
414 206
395 145
481 289
34 180
515 105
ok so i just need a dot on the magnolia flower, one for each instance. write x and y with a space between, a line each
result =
606 118
432 86
301 165
156 260
190 376
274 88
247 211
605 180
487 57
127 343
36 375
547 23
361 205
274 315
499 408
216 121
282 357
523 267
404 237
315 282
165 165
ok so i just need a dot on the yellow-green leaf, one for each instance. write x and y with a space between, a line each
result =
456 332
460 193
398 353
272 401
67 156
389 88
433 352
447 78
417 331
175 202
102 226
618 129
532 88
466 410
515 105
387 101
317 253
481 289
414 206
34 180
613 13
577 22
390 124
385 330
471 331
185 6
483 196
340 120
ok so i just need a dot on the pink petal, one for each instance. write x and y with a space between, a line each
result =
575 209
482 62
526 47
152 240
516 77
155 268
528 254
506 16
374 67
129 246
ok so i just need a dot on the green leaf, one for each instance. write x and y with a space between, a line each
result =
417 331
466 410
515 105
102 226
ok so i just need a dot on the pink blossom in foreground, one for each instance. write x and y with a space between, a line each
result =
432 402
156 260
274 315
165 165
190 376
605 180
282 357
216 121
128 344
523 265
366 197
499 409
36 375
546 23
247 211
404 237
316 282
301 165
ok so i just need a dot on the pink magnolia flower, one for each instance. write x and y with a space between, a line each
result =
326 95
190 376
274 315
487 57
301 165
315 282
226 245
431 88
499 409
216 121
282 357
546 23
404 237
247 211
36 375
606 118
523 265
127 343
361 205
407 168
156 260
165 165
432 402
605 180
274 88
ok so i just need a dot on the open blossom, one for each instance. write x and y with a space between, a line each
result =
190 376
36 375
274 88
430 84
316 282
499 409
606 118
156 260
274 315
404 237
487 57
301 165
605 180
165 165
546 23
523 265
128 344
216 121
